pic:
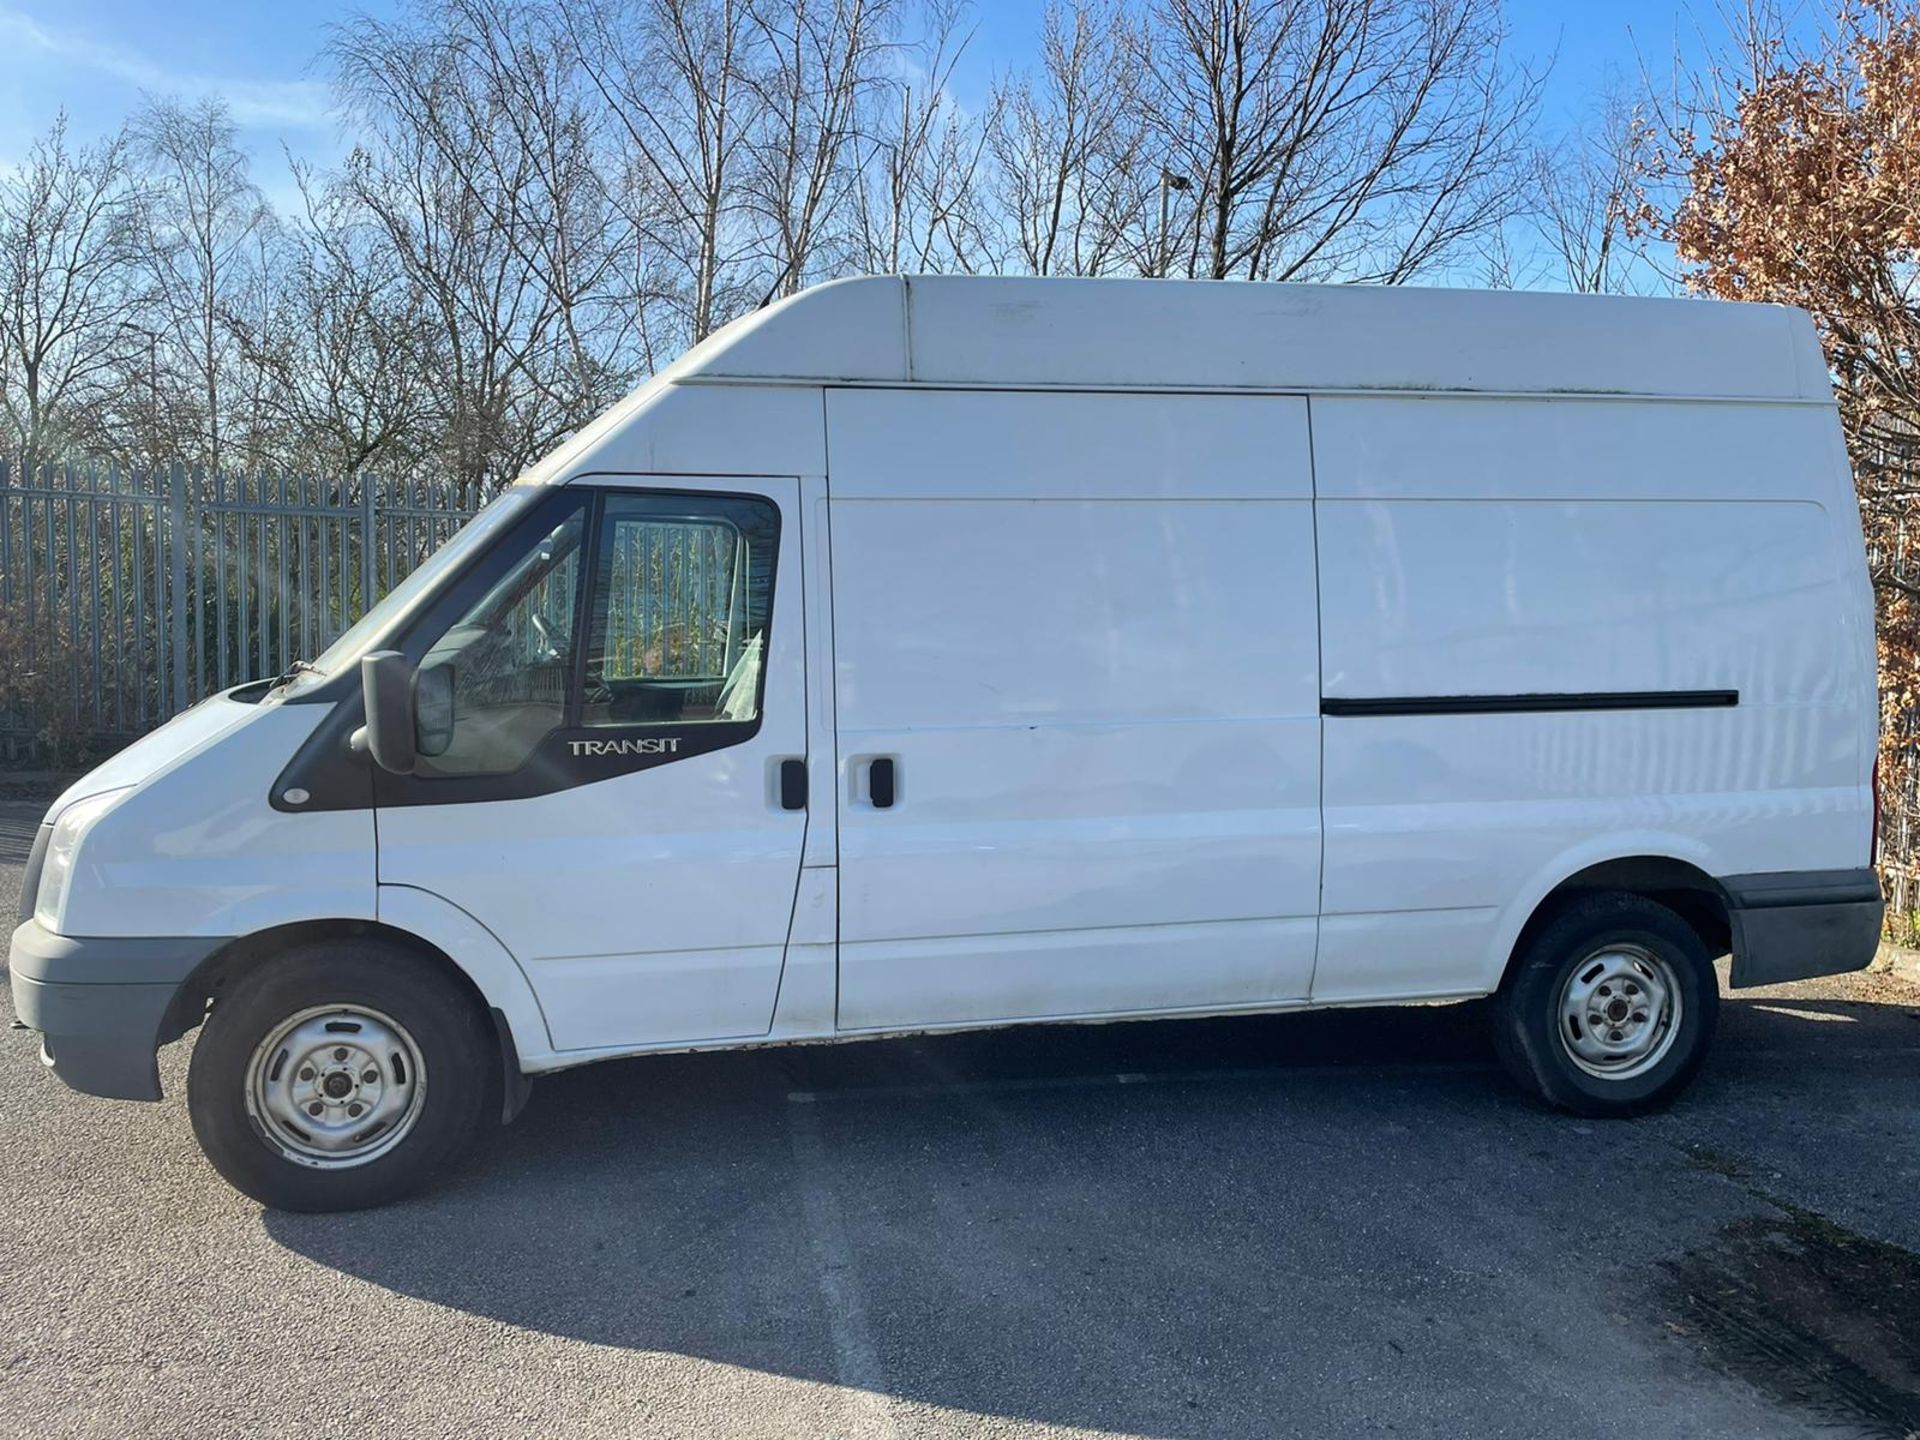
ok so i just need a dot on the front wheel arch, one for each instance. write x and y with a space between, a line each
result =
220 971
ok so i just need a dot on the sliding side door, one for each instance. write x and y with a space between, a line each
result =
1076 680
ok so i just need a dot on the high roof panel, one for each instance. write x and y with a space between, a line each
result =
1213 335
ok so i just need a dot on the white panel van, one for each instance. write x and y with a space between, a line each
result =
935 653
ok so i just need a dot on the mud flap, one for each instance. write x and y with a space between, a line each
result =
515 1084
1798 924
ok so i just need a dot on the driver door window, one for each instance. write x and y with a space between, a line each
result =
683 593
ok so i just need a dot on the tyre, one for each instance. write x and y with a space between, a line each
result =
338 1075
1609 1009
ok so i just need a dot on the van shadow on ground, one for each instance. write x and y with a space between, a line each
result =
1193 1228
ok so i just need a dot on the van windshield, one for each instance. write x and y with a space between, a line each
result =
426 578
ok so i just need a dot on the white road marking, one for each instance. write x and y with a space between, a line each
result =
856 1362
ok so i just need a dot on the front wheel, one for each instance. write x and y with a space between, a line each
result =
1609 1009
340 1075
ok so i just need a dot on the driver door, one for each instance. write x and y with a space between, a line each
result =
627 673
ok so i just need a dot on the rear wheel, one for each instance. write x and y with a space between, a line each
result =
1610 1008
339 1075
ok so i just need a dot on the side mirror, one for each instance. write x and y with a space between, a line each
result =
433 709
386 683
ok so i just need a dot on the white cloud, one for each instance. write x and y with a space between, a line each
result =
300 104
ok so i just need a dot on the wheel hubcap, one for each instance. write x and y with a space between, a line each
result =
336 1086
1619 1012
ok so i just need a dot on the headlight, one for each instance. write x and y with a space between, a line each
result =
63 848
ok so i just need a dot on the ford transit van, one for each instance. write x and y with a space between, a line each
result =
925 654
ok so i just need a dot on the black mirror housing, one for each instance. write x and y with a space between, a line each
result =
386 683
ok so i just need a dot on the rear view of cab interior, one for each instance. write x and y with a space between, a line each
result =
949 652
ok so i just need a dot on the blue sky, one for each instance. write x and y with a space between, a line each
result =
95 58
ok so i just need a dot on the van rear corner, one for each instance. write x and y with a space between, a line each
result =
1800 924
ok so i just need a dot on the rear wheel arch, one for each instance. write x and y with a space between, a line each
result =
1680 885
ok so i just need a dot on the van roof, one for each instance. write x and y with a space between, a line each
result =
1238 335
1224 335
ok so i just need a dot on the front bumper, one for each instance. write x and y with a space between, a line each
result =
1800 923
102 1005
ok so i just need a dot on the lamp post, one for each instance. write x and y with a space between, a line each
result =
1168 181
152 338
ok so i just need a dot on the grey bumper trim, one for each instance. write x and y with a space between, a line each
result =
100 1003
1796 924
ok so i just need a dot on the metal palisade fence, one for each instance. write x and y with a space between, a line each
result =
126 594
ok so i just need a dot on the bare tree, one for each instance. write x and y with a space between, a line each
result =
471 196
538 179
1348 139
203 222
548 199
920 206
1068 140
815 66
67 291
669 74
346 346
1589 190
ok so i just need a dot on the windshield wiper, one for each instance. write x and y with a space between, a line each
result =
298 667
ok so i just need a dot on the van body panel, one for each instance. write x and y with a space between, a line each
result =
160 750
1315 337
852 329
1512 597
930 444
823 742
669 429
1385 447
499 978
652 906
1353 965
1074 974
196 848
1515 574
1854 622
810 978
1103 715
1159 335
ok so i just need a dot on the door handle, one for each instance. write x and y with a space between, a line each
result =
880 783
793 784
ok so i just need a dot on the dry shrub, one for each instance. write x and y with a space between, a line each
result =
39 723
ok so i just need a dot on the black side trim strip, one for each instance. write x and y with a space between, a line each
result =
1527 704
